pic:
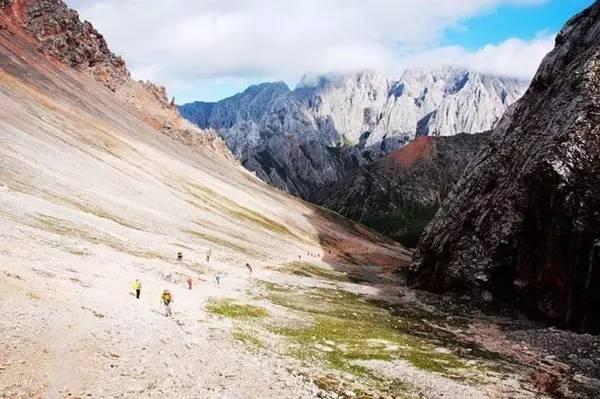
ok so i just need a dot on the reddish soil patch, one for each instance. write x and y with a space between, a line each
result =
418 149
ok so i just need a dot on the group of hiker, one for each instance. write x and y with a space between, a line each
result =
166 298
311 255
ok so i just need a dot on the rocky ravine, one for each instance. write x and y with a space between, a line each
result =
399 194
304 139
524 221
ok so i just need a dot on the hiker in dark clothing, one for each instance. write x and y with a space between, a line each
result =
249 267
179 256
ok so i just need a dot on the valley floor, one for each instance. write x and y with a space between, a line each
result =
71 327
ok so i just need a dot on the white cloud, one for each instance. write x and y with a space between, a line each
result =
513 57
175 42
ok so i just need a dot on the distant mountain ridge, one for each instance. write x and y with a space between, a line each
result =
304 139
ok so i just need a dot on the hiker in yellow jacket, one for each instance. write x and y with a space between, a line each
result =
166 298
137 287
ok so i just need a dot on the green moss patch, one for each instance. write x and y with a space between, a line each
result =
249 338
344 327
229 308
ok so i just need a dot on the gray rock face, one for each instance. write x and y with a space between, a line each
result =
303 139
399 193
524 220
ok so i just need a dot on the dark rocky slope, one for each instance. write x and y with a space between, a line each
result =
523 223
399 194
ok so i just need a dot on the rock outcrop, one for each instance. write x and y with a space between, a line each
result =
399 194
61 34
523 223
56 31
304 139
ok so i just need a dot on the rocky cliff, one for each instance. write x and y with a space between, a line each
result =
523 223
304 139
57 32
399 194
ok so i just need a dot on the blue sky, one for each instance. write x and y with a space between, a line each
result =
525 22
210 49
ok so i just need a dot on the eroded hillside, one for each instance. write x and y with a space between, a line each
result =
102 183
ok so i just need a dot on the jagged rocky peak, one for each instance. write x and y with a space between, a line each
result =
159 93
303 139
62 35
523 224
249 105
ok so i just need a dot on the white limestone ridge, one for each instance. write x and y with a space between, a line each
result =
368 111
439 102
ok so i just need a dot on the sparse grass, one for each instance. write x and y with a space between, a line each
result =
227 307
75 251
345 327
68 229
307 269
223 243
248 338
33 296
81 206
211 199
257 218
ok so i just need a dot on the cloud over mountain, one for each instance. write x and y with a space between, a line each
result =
180 42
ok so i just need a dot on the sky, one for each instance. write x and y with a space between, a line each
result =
210 49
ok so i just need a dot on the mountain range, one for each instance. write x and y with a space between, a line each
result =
304 139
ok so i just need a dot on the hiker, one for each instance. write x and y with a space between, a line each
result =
189 282
137 287
218 279
208 255
179 256
249 267
166 299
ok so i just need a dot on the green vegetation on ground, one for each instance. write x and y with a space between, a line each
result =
247 337
229 308
345 327
405 224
